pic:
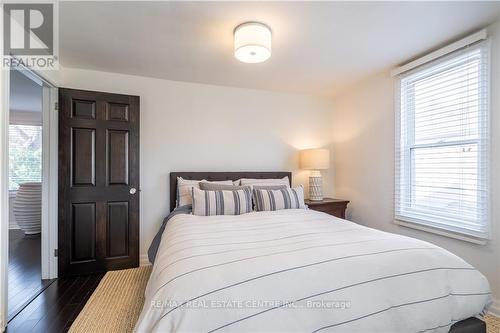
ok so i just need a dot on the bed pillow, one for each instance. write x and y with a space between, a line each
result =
209 203
185 186
287 198
206 186
265 182
270 187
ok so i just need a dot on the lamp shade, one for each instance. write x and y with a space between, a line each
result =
315 159
252 42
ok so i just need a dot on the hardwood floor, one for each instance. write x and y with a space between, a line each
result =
25 281
55 309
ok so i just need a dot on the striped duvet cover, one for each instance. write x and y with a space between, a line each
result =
303 271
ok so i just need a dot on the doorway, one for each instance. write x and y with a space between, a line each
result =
25 191
30 266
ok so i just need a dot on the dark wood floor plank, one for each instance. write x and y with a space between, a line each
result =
50 312
52 295
87 289
69 308
24 327
22 321
55 309
35 310
57 303
57 317
82 300
24 281
59 324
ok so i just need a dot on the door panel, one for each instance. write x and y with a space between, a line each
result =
83 109
83 156
118 229
118 157
98 165
83 223
117 112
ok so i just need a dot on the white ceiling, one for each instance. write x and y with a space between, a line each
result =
25 94
318 47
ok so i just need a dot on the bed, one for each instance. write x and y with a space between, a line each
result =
299 270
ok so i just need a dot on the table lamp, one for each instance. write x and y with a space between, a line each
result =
315 160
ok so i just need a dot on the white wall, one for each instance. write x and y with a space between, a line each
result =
195 127
364 164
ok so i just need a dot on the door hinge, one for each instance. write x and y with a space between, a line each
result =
55 252
56 106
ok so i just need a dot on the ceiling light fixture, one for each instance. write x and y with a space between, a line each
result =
252 42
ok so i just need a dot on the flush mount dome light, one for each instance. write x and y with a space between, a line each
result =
252 42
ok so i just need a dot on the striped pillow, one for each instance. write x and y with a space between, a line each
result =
287 198
208 203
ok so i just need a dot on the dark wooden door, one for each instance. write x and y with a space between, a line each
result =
98 181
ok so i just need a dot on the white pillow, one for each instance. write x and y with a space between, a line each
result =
264 182
185 189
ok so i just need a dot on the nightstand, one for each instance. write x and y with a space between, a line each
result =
335 207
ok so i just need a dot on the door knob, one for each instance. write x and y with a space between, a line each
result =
133 190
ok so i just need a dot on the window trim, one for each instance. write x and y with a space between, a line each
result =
41 157
444 51
442 232
404 171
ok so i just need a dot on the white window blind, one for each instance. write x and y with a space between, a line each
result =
442 143
25 155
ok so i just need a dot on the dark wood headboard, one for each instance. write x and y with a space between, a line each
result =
212 176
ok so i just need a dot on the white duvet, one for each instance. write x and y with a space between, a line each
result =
303 271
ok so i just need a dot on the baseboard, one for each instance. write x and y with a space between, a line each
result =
495 308
144 260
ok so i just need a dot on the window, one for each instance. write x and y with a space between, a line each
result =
25 155
442 149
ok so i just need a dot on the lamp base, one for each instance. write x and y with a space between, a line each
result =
316 186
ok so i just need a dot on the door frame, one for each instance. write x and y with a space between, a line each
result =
49 182
4 194
50 125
